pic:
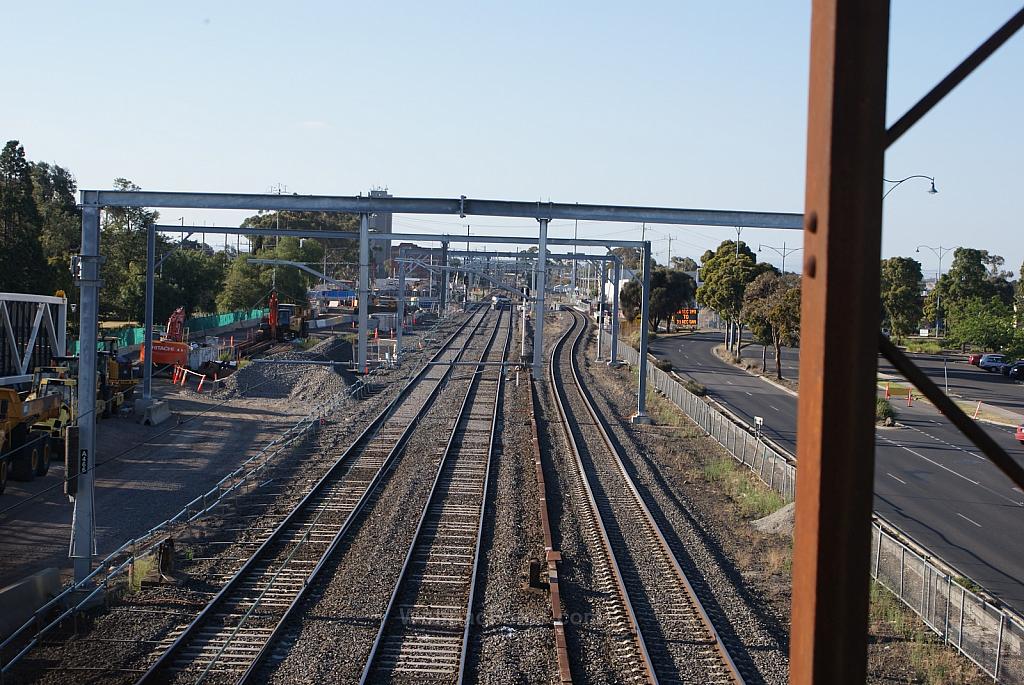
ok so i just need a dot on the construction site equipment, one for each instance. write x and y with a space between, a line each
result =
24 451
172 348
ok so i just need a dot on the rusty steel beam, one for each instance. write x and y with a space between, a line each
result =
839 342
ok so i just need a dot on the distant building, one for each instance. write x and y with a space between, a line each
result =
380 222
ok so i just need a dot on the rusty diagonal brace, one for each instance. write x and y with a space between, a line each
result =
968 426
964 424
953 79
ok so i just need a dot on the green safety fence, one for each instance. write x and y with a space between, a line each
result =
137 335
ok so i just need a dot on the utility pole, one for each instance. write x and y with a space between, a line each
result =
669 262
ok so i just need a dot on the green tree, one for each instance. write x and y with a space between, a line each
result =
684 264
901 295
725 274
191 278
123 245
53 190
243 288
630 257
629 300
985 323
21 253
670 290
771 307
344 252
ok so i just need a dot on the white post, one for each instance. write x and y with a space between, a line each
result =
538 324
364 289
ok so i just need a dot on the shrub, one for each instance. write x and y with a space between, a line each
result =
664 365
883 410
695 387
924 347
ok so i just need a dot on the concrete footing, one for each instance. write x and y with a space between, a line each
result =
643 419
152 413
20 600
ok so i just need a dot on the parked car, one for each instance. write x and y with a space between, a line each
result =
974 358
1020 434
1016 371
1005 368
989 361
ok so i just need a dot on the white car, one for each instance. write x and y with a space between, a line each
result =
991 362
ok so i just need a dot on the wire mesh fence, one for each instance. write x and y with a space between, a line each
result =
989 635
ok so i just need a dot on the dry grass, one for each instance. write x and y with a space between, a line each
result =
931 661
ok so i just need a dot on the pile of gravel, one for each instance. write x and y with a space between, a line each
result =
778 522
291 381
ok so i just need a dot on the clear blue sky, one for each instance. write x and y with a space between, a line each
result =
680 104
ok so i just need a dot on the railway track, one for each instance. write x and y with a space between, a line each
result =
231 634
661 633
424 633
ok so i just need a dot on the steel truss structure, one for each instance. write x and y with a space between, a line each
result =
88 275
33 330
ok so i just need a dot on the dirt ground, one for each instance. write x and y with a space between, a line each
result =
144 475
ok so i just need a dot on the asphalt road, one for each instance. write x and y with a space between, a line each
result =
930 481
965 381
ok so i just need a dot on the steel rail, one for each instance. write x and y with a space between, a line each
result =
337 471
464 414
620 584
602 427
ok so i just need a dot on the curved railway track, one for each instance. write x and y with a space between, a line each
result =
231 634
424 633
663 634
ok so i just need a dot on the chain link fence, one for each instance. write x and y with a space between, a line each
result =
990 636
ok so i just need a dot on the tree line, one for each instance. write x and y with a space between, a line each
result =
40 230
974 303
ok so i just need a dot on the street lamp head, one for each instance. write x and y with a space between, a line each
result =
933 191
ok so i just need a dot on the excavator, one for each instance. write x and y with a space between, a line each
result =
171 349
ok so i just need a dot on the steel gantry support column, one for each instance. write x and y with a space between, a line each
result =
443 301
600 314
617 275
83 524
147 367
839 341
538 295
400 308
526 307
645 318
364 289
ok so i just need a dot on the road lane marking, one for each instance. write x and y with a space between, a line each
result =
728 381
897 478
931 461
967 519
749 393
773 407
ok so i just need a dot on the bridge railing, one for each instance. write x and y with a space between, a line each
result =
990 635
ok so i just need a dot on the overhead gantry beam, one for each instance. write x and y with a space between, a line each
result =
461 207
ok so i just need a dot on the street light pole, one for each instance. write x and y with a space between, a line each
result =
783 252
931 191
939 252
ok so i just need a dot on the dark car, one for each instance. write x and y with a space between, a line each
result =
974 358
1016 371
1005 368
